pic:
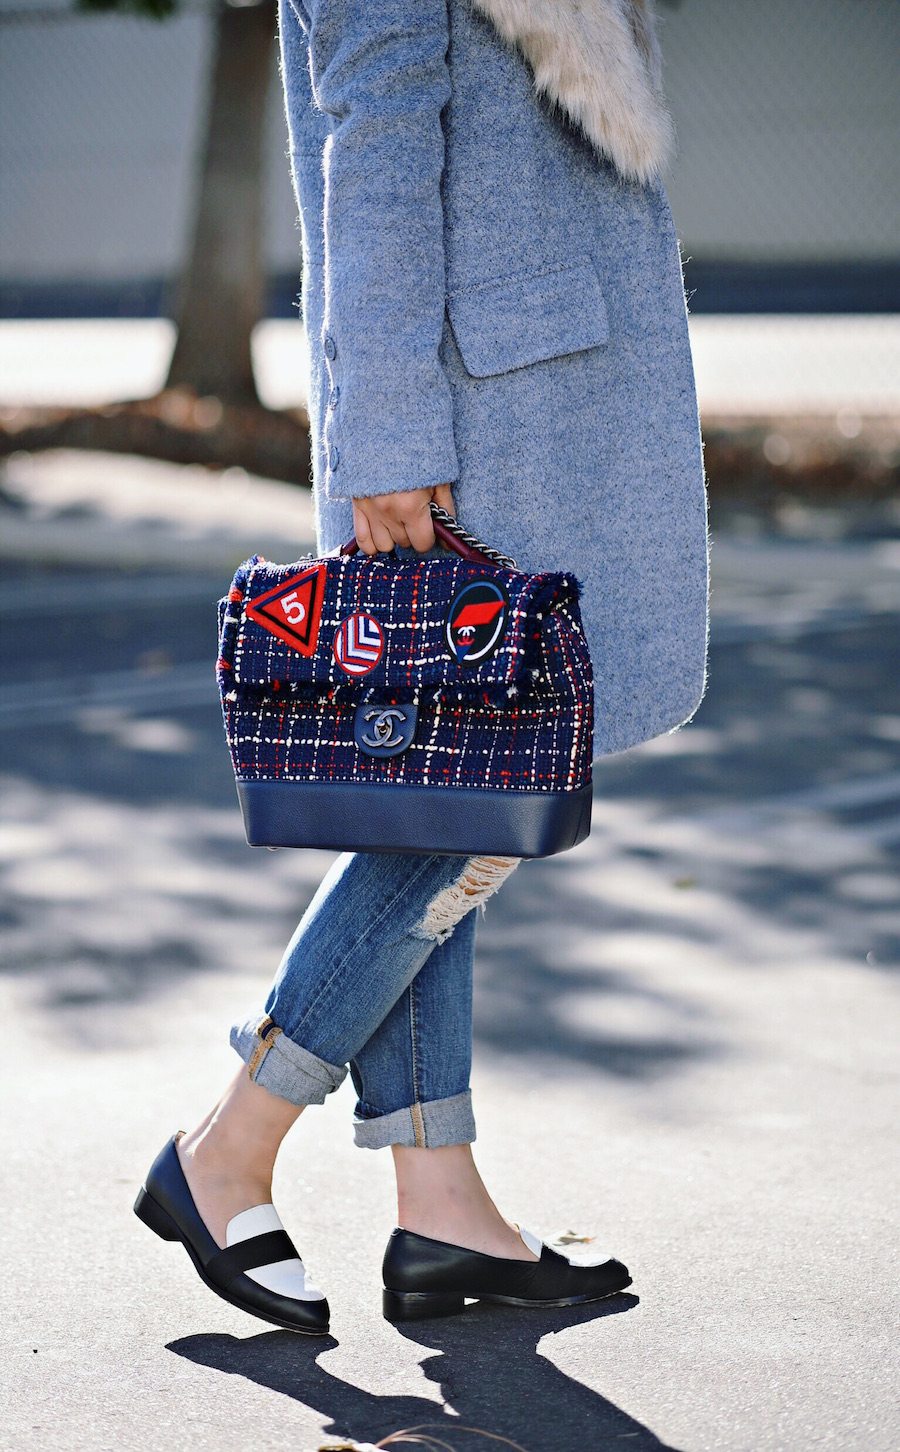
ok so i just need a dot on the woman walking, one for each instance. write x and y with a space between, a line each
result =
496 317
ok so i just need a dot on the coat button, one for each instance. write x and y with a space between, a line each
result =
330 346
334 457
334 395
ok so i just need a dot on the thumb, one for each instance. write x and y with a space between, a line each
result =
443 495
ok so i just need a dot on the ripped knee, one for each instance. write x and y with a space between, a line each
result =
479 879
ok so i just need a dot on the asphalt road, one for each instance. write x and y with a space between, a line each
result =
685 1048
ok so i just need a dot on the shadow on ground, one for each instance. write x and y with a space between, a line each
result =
486 1363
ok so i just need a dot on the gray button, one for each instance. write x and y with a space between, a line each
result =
330 346
334 395
334 457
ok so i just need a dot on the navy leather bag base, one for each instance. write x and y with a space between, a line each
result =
435 704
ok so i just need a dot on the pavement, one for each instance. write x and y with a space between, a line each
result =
686 1029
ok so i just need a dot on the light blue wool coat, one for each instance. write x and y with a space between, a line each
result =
491 303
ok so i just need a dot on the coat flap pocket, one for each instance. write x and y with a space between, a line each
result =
509 322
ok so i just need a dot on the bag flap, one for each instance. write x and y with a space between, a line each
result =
370 622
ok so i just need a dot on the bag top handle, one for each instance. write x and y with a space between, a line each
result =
451 534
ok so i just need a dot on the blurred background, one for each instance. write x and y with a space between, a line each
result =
134 147
701 1031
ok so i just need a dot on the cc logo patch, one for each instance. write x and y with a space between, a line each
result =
380 730
476 621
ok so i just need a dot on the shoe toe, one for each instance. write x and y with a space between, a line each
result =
288 1311
289 1277
608 1275
280 1287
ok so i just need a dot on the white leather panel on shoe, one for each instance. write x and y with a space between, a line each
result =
283 1277
534 1242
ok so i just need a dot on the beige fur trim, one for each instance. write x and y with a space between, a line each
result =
599 62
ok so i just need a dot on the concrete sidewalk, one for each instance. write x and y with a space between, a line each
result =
685 1032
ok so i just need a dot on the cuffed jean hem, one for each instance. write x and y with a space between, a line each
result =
420 1126
283 1067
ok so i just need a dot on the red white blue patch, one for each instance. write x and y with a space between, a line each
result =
292 610
358 644
476 621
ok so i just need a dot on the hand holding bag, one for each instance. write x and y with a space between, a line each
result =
437 704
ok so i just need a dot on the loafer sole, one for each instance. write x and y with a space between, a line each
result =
563 1300
429 1305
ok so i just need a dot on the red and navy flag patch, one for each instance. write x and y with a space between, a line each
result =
358 644
292 610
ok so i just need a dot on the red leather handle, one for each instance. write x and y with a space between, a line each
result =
442 536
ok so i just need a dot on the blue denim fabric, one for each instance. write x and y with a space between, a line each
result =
371 981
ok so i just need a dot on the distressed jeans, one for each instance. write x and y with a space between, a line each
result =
378 979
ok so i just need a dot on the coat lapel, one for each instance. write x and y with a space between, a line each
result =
599 62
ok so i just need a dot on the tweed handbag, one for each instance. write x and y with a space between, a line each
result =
442 703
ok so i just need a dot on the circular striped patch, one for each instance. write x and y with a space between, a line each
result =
358 644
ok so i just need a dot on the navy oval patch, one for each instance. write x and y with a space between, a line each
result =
476 621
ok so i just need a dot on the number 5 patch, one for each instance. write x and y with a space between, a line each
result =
292 610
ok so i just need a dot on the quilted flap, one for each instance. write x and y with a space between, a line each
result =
372 622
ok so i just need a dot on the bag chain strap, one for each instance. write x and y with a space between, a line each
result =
471 540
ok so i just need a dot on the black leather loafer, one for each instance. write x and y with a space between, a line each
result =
424 1278
260 1270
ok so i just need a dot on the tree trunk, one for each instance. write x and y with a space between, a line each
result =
221 292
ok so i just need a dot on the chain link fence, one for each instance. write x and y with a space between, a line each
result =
785 190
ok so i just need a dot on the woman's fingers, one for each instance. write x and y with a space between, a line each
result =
382 534
361 530
419 525
372 534
382 521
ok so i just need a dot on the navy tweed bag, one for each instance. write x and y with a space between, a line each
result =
437 704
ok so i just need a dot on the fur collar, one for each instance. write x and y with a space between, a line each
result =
599 62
